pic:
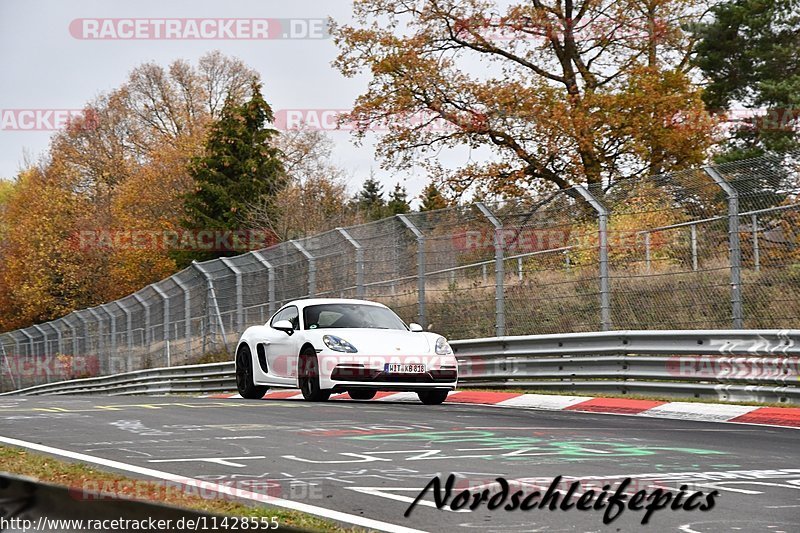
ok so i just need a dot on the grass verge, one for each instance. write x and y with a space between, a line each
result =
79 475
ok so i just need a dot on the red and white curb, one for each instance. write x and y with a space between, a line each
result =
704 412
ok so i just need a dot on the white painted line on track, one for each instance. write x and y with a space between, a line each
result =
543 401
698 411
401 397
222 489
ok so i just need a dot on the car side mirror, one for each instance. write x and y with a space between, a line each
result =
416 328
284 325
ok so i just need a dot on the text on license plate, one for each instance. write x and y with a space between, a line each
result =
397 368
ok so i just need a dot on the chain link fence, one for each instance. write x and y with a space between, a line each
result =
710 248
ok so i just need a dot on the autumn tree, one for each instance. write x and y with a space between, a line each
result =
120 167
241 163
431 198
558 93
315 199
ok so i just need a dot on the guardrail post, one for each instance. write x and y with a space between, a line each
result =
165 320
499 271
605 291
270 280
239 304
187 309
734 245
146 336
359 261
420 265
312 268
211 304
693 229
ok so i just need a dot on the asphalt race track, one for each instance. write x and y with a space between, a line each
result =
369 459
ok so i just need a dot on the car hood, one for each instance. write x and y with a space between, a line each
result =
380 341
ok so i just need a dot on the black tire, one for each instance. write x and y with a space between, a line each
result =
244 376
433 397
308 378
362 394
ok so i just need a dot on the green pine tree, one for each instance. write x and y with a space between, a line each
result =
398 201
240 166
749 53
370 201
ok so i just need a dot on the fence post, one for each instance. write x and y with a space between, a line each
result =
59 337
103 367
211 303
74 332
270 279
734 245
113 327
420 265
312 268
187 311
85 324
146 336
44 339
359 261
693 229
128 325
239 303
605 291
499 271
647 250
165 319
756 253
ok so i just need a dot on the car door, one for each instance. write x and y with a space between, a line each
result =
283 348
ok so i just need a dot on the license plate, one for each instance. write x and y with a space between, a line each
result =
397 368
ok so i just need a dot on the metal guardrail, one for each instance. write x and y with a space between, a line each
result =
727 365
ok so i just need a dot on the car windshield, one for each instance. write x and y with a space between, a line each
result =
350 316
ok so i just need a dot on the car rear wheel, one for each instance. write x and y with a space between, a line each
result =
244 376
362 394
309 378
433 397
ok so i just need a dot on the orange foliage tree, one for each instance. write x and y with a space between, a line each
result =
558 93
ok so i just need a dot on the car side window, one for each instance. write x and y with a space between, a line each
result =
280 315
292 316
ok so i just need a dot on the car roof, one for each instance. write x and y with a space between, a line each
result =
305 302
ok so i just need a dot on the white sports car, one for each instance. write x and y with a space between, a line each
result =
327 345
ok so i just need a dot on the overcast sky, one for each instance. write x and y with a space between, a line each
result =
44 67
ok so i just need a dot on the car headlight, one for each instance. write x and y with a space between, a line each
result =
338 344
442 348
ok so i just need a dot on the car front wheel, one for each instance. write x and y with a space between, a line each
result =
433 397
309 378
244 376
